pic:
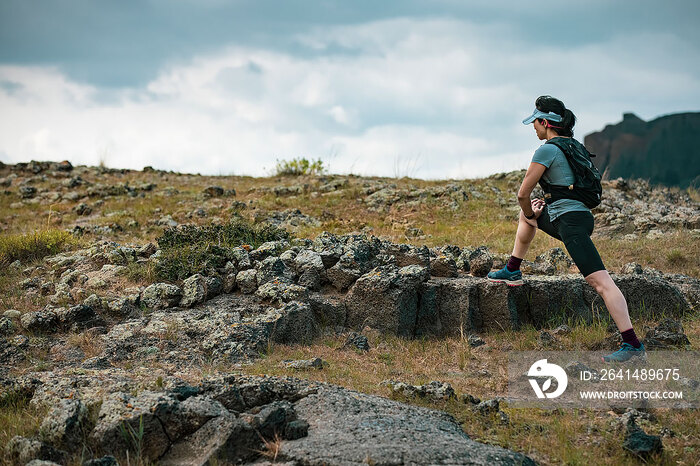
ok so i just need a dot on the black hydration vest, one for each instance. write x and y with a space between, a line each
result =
586 187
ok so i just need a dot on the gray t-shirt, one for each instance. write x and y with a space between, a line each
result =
559 173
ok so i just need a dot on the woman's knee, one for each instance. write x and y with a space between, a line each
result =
602 282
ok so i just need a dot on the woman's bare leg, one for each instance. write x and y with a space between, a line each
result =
523 237
614 300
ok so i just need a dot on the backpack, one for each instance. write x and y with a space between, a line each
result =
586 187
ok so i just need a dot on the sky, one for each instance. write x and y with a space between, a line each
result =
433 90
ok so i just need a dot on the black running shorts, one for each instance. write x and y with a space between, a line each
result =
574 229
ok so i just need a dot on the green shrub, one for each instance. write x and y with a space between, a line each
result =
191 249
33 246
299 166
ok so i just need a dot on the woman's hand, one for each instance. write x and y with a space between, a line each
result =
537 207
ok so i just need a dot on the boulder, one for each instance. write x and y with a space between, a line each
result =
668 334
309 267
347 427
480 261
161 417
247 280
278 291
273 268
65 424
194 290
386 299
45 321
21 450
161 296
443 266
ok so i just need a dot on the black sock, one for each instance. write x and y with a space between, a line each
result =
513 264
628 336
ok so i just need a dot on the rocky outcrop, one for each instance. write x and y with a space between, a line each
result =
661 150
231 418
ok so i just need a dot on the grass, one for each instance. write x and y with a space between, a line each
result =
205 249
33 246
17 417
299 166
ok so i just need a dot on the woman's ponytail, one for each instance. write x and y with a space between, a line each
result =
567 124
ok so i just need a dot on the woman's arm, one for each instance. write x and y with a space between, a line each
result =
533 175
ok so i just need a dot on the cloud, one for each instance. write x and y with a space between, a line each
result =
439 98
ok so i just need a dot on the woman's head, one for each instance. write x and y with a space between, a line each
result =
547 103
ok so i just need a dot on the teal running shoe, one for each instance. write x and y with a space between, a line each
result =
506 276
626 353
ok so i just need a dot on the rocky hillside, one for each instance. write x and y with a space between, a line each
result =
141 336
663 150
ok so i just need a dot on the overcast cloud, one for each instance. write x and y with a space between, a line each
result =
428 90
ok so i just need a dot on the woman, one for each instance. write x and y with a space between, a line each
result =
567 220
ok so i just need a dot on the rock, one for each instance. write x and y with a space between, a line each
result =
546 339
480 261
272 419
247 280
281 292
22 450
6 326
407 254
161 296
215 286
45 321
163 418
309 267
443 266
639 443
356 341
226 438
293 323
475 340
435 390
147 250
666 335
347 427
82 209
27 192
359 257
79 317
487 407
468 399
65 424
194 290
213 191
12 314
562 330
555 258
386 299
104 461
632 268
273 268
315 363
296 429
242 258
167 221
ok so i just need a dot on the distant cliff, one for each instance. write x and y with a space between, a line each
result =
665 150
